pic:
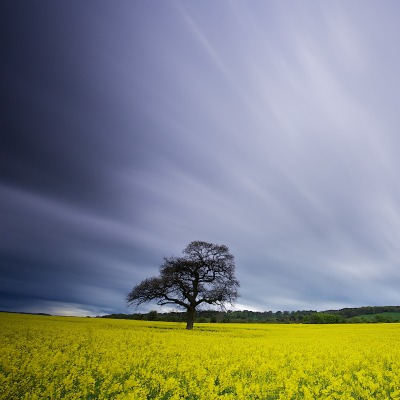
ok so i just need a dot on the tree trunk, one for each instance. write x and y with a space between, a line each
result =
190 318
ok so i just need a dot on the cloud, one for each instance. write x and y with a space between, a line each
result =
274 132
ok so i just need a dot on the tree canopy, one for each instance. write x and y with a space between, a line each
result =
205 274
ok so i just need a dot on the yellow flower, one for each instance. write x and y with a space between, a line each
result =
81 358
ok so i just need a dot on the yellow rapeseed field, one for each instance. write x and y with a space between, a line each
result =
85 358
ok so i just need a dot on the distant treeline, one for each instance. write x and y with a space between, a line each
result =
345 315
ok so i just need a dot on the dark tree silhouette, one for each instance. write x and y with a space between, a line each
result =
204 275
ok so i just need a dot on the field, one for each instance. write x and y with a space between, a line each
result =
85 358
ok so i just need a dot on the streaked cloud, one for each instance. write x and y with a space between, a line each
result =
269 127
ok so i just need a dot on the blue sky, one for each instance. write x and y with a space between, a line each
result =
134 128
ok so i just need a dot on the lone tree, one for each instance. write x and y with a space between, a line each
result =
204 275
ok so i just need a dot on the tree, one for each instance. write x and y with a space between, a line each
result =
204 275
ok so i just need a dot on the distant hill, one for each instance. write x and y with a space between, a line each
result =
28 313
362 311
378 317
344 315
370 314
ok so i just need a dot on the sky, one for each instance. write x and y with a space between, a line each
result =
130 129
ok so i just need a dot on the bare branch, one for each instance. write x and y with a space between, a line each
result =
205 274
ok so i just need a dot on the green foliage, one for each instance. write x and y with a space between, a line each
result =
379 317
324 318
152 315
365 311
